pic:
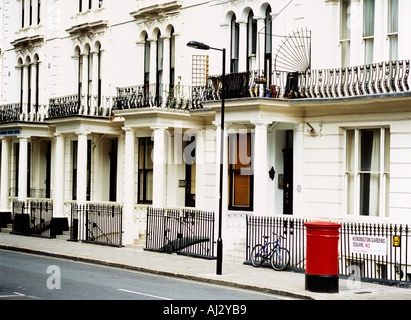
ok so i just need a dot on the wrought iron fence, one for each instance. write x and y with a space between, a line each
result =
161 96
86 105
372 79
358 258
22 112
33 218
182 231
97 223
292 229
375 251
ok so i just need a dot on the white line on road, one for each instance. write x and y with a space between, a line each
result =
16 294
144 294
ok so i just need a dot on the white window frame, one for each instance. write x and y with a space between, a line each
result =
383 171
368 37
392 31
345 39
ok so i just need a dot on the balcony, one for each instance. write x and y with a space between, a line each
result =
161 96
375 79
80 105
18 112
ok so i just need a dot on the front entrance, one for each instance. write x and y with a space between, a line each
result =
288 174
190 172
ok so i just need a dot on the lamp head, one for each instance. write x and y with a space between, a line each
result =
198 45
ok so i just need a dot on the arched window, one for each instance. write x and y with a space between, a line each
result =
235 44
20 64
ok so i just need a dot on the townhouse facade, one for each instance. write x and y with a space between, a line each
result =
102 103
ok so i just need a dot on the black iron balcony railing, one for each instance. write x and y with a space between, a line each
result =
15 112
373 79
82 105
161 96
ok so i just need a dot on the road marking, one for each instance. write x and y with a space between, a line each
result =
144 294
16 294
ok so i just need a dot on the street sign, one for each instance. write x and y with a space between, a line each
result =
374 245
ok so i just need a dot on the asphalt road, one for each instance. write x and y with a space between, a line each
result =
31 277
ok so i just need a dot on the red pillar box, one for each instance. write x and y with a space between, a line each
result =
322 257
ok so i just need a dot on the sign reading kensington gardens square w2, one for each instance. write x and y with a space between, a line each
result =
373 245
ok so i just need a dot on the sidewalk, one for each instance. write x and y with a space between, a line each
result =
235 274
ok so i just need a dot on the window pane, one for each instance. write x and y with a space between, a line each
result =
393 16
370 150
393 47
240 172
369 194
350 193
350 150
387 150
345 19
345 54
241 190
368 51
369 10
149 185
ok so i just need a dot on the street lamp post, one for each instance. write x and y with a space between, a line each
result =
202 46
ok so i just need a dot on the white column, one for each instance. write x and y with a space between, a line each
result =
139 76
82 167
153 60
200 169
130 228
242 59
225 175
260 166
25 89
26 13
34 12
5 175
84 92
404 30
298 170
260 54
33 90
58 177
159 166
94 92
166 62
120 167
23 166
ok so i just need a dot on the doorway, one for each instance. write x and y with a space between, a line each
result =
190 172
288 173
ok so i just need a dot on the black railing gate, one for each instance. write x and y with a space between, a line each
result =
185 231
100 224
390 265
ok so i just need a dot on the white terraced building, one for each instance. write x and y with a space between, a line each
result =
104 103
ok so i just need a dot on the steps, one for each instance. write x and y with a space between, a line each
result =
237 252
139 244
8 229
64 236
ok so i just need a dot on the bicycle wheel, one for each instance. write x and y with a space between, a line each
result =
257 255
280 259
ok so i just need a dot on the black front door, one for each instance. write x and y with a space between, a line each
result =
288 174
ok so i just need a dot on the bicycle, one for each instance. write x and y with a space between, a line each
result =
279 256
